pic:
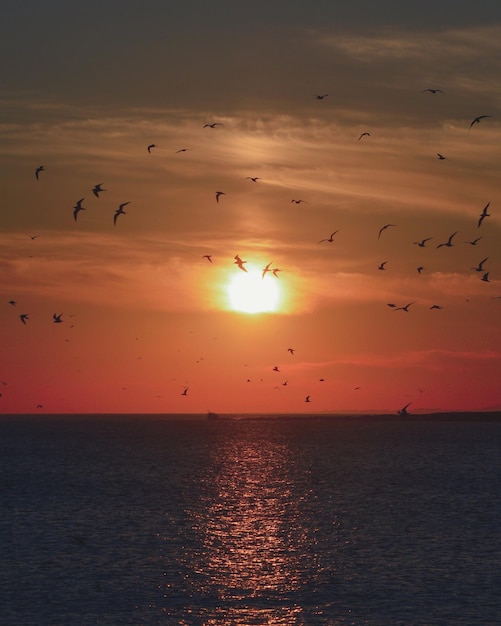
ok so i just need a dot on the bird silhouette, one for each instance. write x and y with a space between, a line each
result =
77 208
382 265
218 194
208 257
403 410
448 243
57 318
330 239
441 157
483 215
253 178
480 266
321 97
240 263
433 91
422 243
485 277
364 135
404 308
478 119
383 228
151 146
266 270
119 211
212 125
474 242
24 317
39 169
97 189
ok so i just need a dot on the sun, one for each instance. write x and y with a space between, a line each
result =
249 292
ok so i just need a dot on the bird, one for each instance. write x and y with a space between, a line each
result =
321 97
330 239
403 410
364 135
266 269
299 201
480 266
384 228
276 368
420 269
404 308
57 318
275 271
483 215
23 317
441 157
219 193
77 208
208 257
477 119
96 190
12 302
185 391
435 306
382 265
212 125
448 243
119 211
485 277
474 242
39 169
291 350
253 178
239 262
433 91
152 145
33 237
307 399
422 243
182 150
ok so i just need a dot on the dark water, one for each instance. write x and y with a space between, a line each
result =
143 521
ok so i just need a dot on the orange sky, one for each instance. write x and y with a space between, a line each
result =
145 316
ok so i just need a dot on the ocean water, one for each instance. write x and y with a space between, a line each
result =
117 520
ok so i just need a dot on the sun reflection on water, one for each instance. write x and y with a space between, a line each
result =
254 548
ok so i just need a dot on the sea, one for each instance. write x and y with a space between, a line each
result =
250 520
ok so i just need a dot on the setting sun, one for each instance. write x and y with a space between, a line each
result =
249 292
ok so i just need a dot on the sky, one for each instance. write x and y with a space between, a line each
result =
344 107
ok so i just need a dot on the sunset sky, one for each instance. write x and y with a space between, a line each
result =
87 88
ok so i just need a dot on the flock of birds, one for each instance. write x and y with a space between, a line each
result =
98 189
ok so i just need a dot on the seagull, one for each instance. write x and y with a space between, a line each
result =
119 211
182 150
448 243
275 271
422 243
483 215
441 157
276 368
219 193
330 239
208 257
364 135
474 241
185 391
291 350
12 302
480 266
485 277
307 399
321 97
23 317
39 169
240 263
253 178
477 120
57 318
152 145
96 190
384 228
420 269
33 237
266 269
403 308
212 125
299 201
382 265
77 208
403 410
435 306
433 91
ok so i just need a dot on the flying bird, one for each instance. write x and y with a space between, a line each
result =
435 306
330 239
77 208
299 201
403 308
485 277
239 262
253 178
185 391
182 150
474 242
96 190
403 410
208 257
119 211
219 193
420 269
484 214
23 317
384 228
364 135
480 266
382 265
307 399
448 243
321 97
266 269
477 120
12 302
441 157
433 91
39 169
422 243
212 125
151 146
33 237
276 368
275 271
57 318
291 350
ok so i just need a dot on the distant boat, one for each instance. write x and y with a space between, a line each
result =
212 416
